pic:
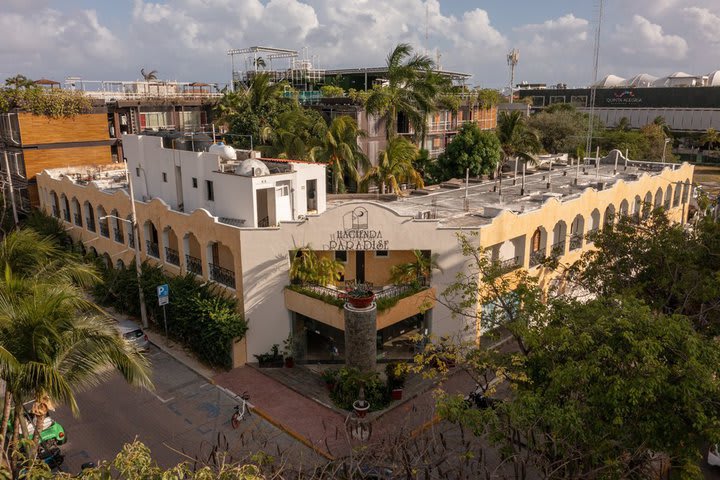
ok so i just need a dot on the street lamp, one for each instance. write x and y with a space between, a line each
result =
667 140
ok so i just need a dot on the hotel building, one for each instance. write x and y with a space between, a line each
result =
238 222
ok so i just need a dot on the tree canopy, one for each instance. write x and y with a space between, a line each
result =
472 149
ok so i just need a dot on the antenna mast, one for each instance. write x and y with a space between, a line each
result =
512 59
593 87
427 21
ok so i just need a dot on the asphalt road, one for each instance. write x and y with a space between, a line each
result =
183 418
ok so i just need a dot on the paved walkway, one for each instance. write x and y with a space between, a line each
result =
320 425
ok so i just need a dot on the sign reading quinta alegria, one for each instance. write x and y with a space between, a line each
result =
356 234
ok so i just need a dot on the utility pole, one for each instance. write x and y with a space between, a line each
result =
136 234
512 59
593 87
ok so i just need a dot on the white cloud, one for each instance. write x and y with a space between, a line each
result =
645 40
705 22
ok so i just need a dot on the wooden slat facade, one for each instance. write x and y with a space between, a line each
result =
38 160
39 129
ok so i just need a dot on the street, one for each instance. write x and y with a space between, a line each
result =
182 419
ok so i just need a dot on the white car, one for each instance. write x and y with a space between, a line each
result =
713 457
134 334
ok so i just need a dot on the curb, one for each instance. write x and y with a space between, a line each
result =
179 359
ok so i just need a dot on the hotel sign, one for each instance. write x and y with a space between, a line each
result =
356 234
623 97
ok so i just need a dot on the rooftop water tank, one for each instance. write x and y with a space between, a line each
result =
226 152
252 168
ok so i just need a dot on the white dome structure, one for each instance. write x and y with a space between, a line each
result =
713 79
611 81
252 167
226 152
641 80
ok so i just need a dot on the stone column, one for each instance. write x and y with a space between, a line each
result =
361 337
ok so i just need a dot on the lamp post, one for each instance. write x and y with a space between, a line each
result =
667 140
136 234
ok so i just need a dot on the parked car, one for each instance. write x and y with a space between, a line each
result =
134 334
52 434
713 456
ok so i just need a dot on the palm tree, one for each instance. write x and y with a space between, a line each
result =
60 346
259 62
339 149
149 76
711 138
395 166
19 81
295 135
516 139
307 267
416 271
411 90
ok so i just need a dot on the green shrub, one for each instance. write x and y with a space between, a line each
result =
347 389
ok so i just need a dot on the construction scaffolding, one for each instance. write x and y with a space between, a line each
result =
300 73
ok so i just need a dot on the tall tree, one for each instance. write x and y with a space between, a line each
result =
711 137
411 90
395 166
561 130
296 132
339 149
149 76
473 149
516 138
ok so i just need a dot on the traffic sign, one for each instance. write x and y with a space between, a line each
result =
163 293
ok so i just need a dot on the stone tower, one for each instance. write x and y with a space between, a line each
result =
361 337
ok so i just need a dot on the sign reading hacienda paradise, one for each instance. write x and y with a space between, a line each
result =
356 235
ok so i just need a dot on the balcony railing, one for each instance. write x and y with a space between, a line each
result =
558 248
131 239
222 275
337 296
90 222
537 257
509 264
118 236
78 219
104 230
153 249
575 241
193 264
172 256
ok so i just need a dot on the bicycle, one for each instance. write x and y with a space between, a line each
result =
240 411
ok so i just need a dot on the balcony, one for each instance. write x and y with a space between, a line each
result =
78 219
222 275
118 236
537 257
193 264
131 239
172 256
558 248
394 302
509 264
575 241
90 222
153 249
104 230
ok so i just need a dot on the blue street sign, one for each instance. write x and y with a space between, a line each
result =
163 293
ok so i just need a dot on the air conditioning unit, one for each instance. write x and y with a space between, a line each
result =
257 171
424 215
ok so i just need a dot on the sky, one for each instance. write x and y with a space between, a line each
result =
187 40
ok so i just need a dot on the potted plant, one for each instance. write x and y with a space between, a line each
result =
289 351
360 295
361 406
396 376
271 358
329 376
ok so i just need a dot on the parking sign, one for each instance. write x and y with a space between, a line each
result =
163 293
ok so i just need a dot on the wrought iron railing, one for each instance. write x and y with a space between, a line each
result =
90 222
153 249
537 257
576 241
104 230
131 239
78 220
264 222
388 291
118 236
222 275
509 264
172 256
558 248
193 264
